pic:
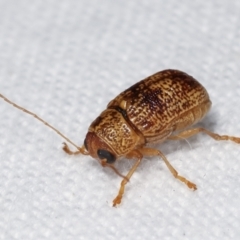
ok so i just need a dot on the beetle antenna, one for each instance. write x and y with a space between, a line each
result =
40 119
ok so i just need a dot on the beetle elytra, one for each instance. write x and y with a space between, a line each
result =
162 106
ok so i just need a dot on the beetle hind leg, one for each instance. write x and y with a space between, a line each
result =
194 131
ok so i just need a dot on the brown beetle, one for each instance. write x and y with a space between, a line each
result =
157 108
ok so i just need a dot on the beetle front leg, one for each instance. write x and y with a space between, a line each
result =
131 155
81 150
105 164
155 152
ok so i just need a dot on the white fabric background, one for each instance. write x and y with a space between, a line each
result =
65 60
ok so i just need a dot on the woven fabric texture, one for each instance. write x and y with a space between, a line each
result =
65 60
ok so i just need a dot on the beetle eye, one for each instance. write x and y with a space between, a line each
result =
85 144
107 155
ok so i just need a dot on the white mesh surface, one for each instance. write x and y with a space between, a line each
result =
65 60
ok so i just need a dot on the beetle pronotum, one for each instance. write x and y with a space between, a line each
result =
157 108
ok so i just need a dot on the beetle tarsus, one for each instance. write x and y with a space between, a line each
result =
67 150
118 198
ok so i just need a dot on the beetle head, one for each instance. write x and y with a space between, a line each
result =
98 149
110 136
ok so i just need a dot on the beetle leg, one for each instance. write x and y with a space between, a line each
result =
133 154
81 150
155 152
105 164
194 131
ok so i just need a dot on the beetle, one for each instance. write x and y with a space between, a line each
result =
162 106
